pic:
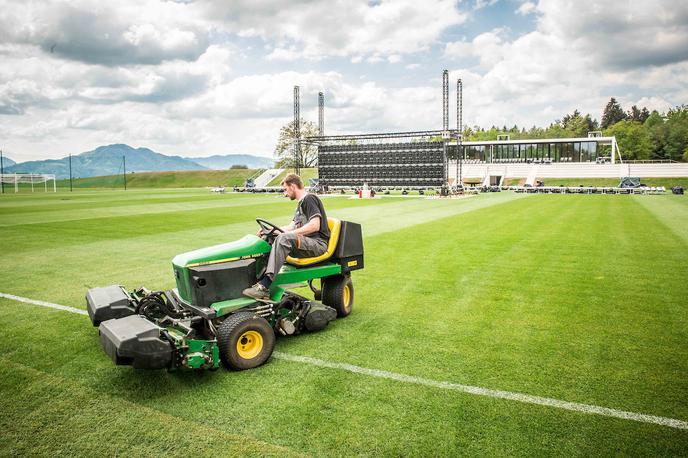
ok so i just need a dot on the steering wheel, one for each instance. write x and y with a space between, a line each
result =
267 228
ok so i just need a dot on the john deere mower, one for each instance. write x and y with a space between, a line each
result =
206 320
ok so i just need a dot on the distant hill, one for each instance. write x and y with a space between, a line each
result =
218 162
6 161
107 160
174 179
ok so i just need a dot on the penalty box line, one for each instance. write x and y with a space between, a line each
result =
475 390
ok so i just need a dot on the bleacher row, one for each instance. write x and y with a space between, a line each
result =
386 164
425 172
419 166
383 182
382 158
377 147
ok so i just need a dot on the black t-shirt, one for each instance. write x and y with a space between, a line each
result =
308 208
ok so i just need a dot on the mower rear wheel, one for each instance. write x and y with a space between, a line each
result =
338 293
245 341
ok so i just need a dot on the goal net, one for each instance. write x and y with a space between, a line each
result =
33 181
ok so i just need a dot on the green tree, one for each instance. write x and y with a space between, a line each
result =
636 114
284 150
676 132
657 130
612 114
633 138
577 125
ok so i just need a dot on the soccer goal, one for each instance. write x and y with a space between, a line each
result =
35 179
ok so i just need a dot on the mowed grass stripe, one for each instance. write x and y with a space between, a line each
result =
479 391
540 296
670 211
474 390
117 255
13 201
35 421
51 210
134 208
322 412
84 230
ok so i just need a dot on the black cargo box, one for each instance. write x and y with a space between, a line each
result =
349 251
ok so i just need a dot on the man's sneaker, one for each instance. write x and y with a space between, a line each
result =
257 291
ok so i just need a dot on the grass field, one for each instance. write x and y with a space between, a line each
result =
172 179
576 298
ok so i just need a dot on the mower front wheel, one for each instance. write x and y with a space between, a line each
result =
245 341
338 293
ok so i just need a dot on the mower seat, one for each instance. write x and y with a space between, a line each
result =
335 225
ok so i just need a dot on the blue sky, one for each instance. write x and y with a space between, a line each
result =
211 77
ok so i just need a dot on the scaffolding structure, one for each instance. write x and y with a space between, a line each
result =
408 159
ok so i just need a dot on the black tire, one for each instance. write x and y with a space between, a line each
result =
338 293
256 334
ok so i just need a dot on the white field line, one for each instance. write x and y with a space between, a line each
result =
476 390
44 304
520 397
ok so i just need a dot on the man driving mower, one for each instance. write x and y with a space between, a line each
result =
306 236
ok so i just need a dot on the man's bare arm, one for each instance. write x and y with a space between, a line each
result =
311 226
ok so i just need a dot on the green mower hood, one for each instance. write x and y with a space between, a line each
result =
249 246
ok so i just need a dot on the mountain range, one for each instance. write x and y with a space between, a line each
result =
7 162
224 162
107 160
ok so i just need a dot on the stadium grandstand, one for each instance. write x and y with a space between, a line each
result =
440 158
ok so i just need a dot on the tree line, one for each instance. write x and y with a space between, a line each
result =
642 134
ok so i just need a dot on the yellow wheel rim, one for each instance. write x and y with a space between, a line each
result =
249 344
347 297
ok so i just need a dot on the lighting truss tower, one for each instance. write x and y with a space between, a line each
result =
445 100
459 136
2 173
321 114
297 132
445 120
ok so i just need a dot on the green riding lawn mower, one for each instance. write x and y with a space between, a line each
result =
206 320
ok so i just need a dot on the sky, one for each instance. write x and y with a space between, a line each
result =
197 78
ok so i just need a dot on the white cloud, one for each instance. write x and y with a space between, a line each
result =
359 30
164 75
480 4
107 33
526 8
637 33
578 57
